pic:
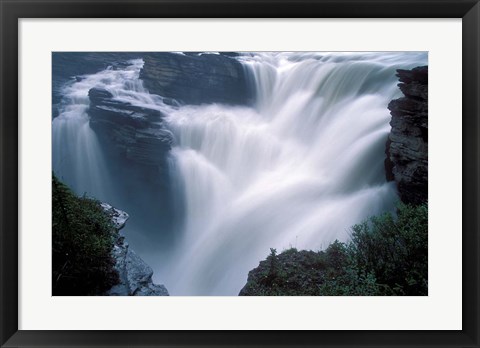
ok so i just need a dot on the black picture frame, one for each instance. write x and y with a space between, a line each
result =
12 10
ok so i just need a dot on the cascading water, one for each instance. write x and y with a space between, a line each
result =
297 169
77 156
80 160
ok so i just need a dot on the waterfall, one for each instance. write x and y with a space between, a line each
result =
296 169
78 158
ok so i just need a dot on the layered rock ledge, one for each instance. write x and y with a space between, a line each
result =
134 273
136 133
196 78
407 144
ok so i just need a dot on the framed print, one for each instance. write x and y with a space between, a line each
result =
239 173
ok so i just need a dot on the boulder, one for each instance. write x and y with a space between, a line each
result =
407 144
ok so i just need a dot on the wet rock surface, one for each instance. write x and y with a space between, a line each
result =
136 133
195 78
407 145
134 273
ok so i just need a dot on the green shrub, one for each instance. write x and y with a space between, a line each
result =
343 277
395 250
82 240
386 256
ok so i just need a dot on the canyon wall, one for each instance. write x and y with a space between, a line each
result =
407 144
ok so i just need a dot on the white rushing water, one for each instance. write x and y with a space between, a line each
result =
77 155
297 169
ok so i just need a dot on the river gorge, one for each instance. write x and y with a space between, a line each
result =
219 157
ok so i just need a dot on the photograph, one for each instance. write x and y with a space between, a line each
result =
240 173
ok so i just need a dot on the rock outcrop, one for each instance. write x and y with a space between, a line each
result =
136 133
196 78
135 144
135 275
71 66
407 144
291 273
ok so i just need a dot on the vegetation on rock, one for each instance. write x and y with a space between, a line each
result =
387 255
82 241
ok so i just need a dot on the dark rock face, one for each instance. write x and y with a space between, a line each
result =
135 275
291 273
196 78
136 146
407 145
137 133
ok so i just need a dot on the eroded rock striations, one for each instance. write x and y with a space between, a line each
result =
196 78
135 275
137 133
407 144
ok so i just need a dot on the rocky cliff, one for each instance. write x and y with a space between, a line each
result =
407 144
136 133
196 78
134 274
